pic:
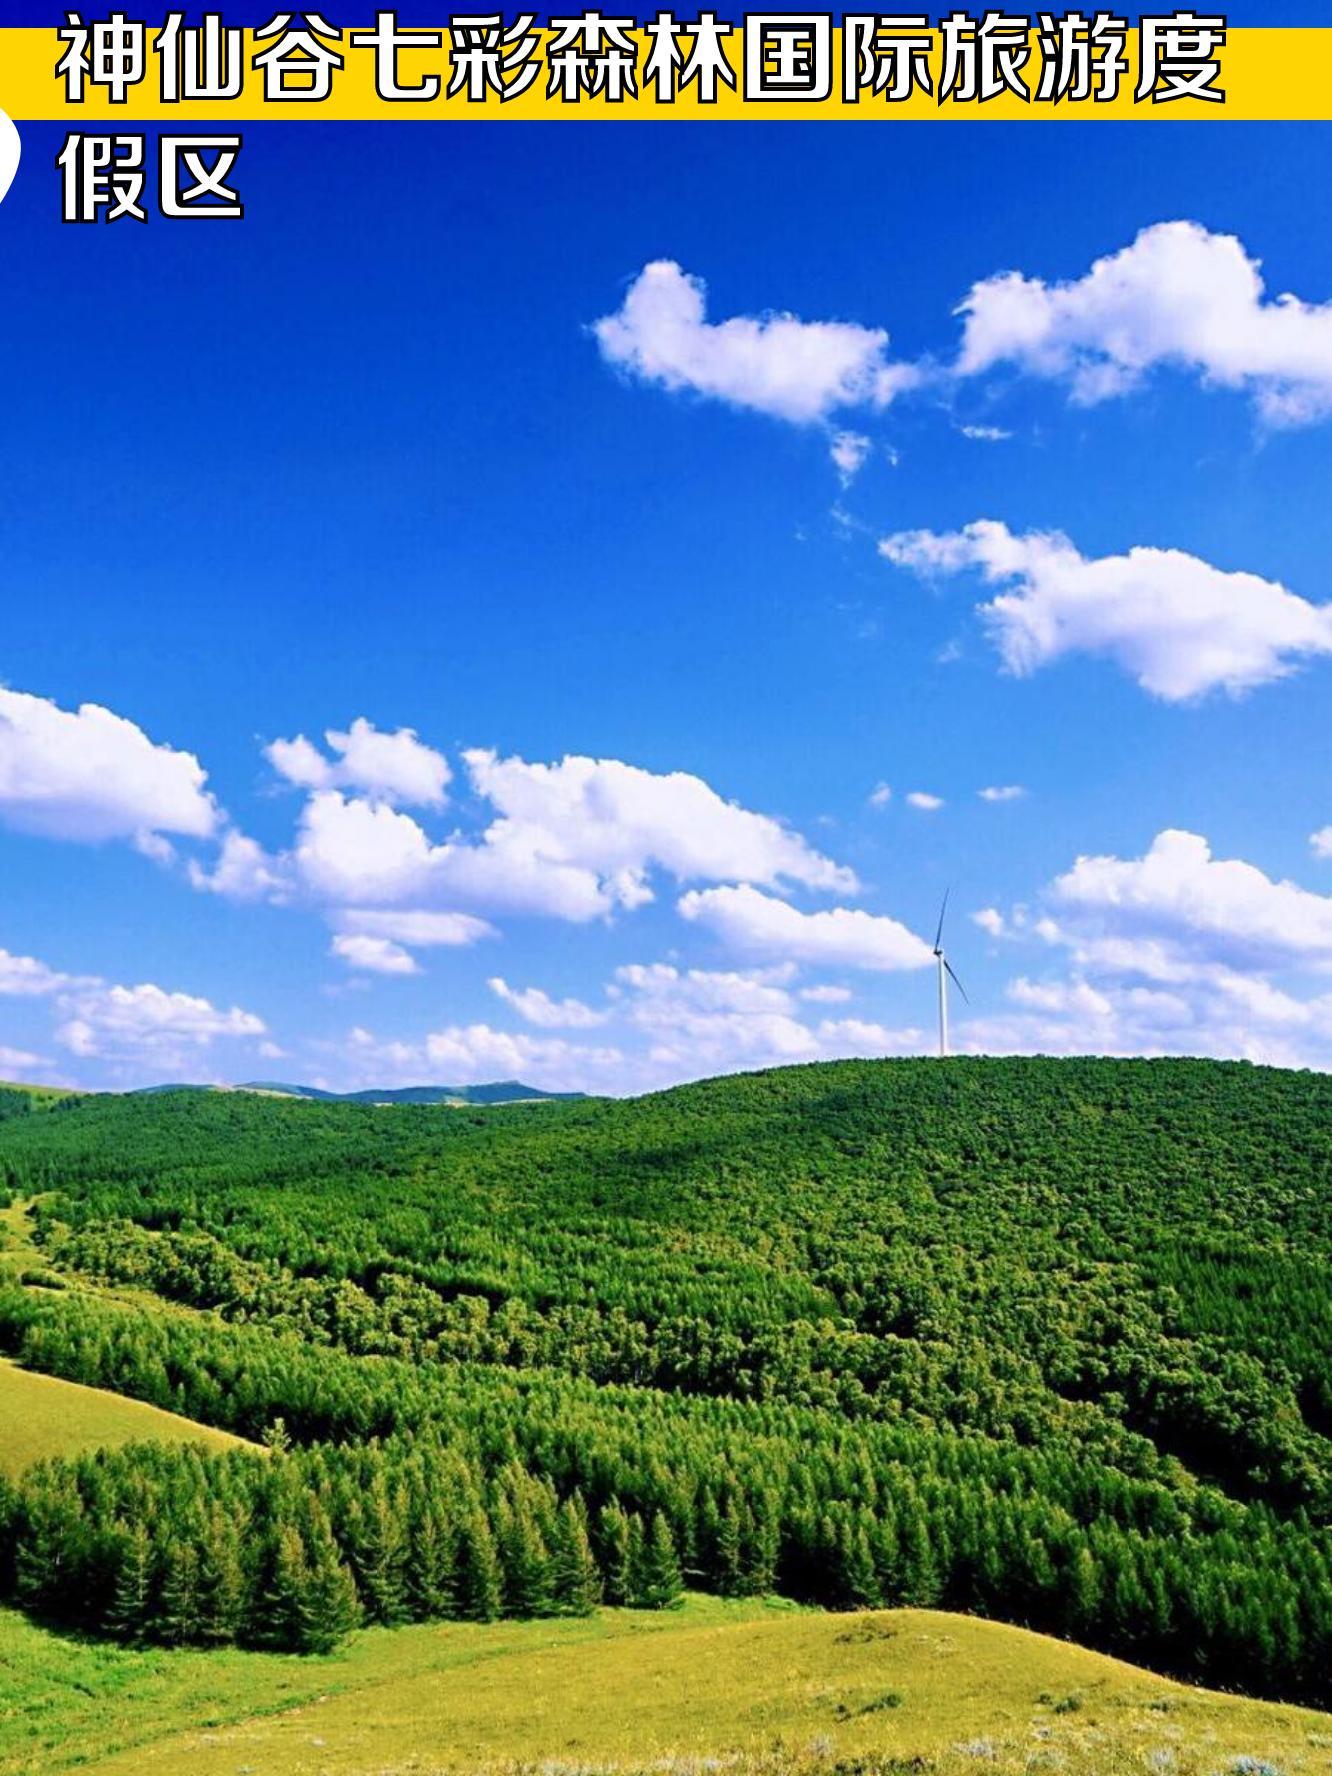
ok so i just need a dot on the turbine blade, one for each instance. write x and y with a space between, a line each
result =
938 936
956 982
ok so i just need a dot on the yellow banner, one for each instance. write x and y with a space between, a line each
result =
1260 73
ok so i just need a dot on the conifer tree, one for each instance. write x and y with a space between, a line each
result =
575 1581
131 1591
613 1542
658 1583
480 1581
329 1609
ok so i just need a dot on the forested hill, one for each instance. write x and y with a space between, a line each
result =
1048 1339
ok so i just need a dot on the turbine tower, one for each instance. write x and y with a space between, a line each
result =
945 972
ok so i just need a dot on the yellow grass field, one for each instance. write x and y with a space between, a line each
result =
41 1416
761 1687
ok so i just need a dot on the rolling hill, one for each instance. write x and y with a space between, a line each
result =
1043 1341
759 1690
44 1417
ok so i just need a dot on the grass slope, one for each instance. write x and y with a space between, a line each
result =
41 1416
767 1683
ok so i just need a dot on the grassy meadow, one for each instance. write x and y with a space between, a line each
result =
760 1686
42 1416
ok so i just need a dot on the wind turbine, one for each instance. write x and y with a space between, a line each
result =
945 971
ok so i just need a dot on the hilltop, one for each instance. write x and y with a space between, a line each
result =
1048 1341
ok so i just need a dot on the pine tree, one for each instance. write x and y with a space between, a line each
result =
729 1566
575 1581
658 1584
329 1609
432 1589
221 1581
379 1556
279 1606
526 1563
480 1582
127 1614
613 1542
179 1615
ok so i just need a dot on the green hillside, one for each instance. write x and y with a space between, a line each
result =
771 1691
1049 1341
43 1417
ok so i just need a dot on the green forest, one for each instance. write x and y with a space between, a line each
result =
1048 1341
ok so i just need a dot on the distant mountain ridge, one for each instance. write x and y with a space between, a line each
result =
500 1091
503 1091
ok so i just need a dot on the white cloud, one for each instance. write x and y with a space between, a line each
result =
373 955
536 1007
849 451
756 924
147 1021
1320 842
703 1020
880 796
416 929
1193 906
24 977
91 775
1002 792
1170 953
618 820
922 800
826 995
391 767
1180 296
474 1053
985 434
19 1060
774 363
243 871
1178 625
574 840
349 850
991 921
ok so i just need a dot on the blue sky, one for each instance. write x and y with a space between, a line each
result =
363 458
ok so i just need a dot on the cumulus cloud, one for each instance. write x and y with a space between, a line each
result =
773 363
1002 792
618 821
985 434
1176 624
573 840
757 924
826 995
713 1020
1178 295
242 870
391 767
880 795
1194 906
24 977
147 1022
1320 842
922 800
90 775
1173 952
536 1007
372 955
